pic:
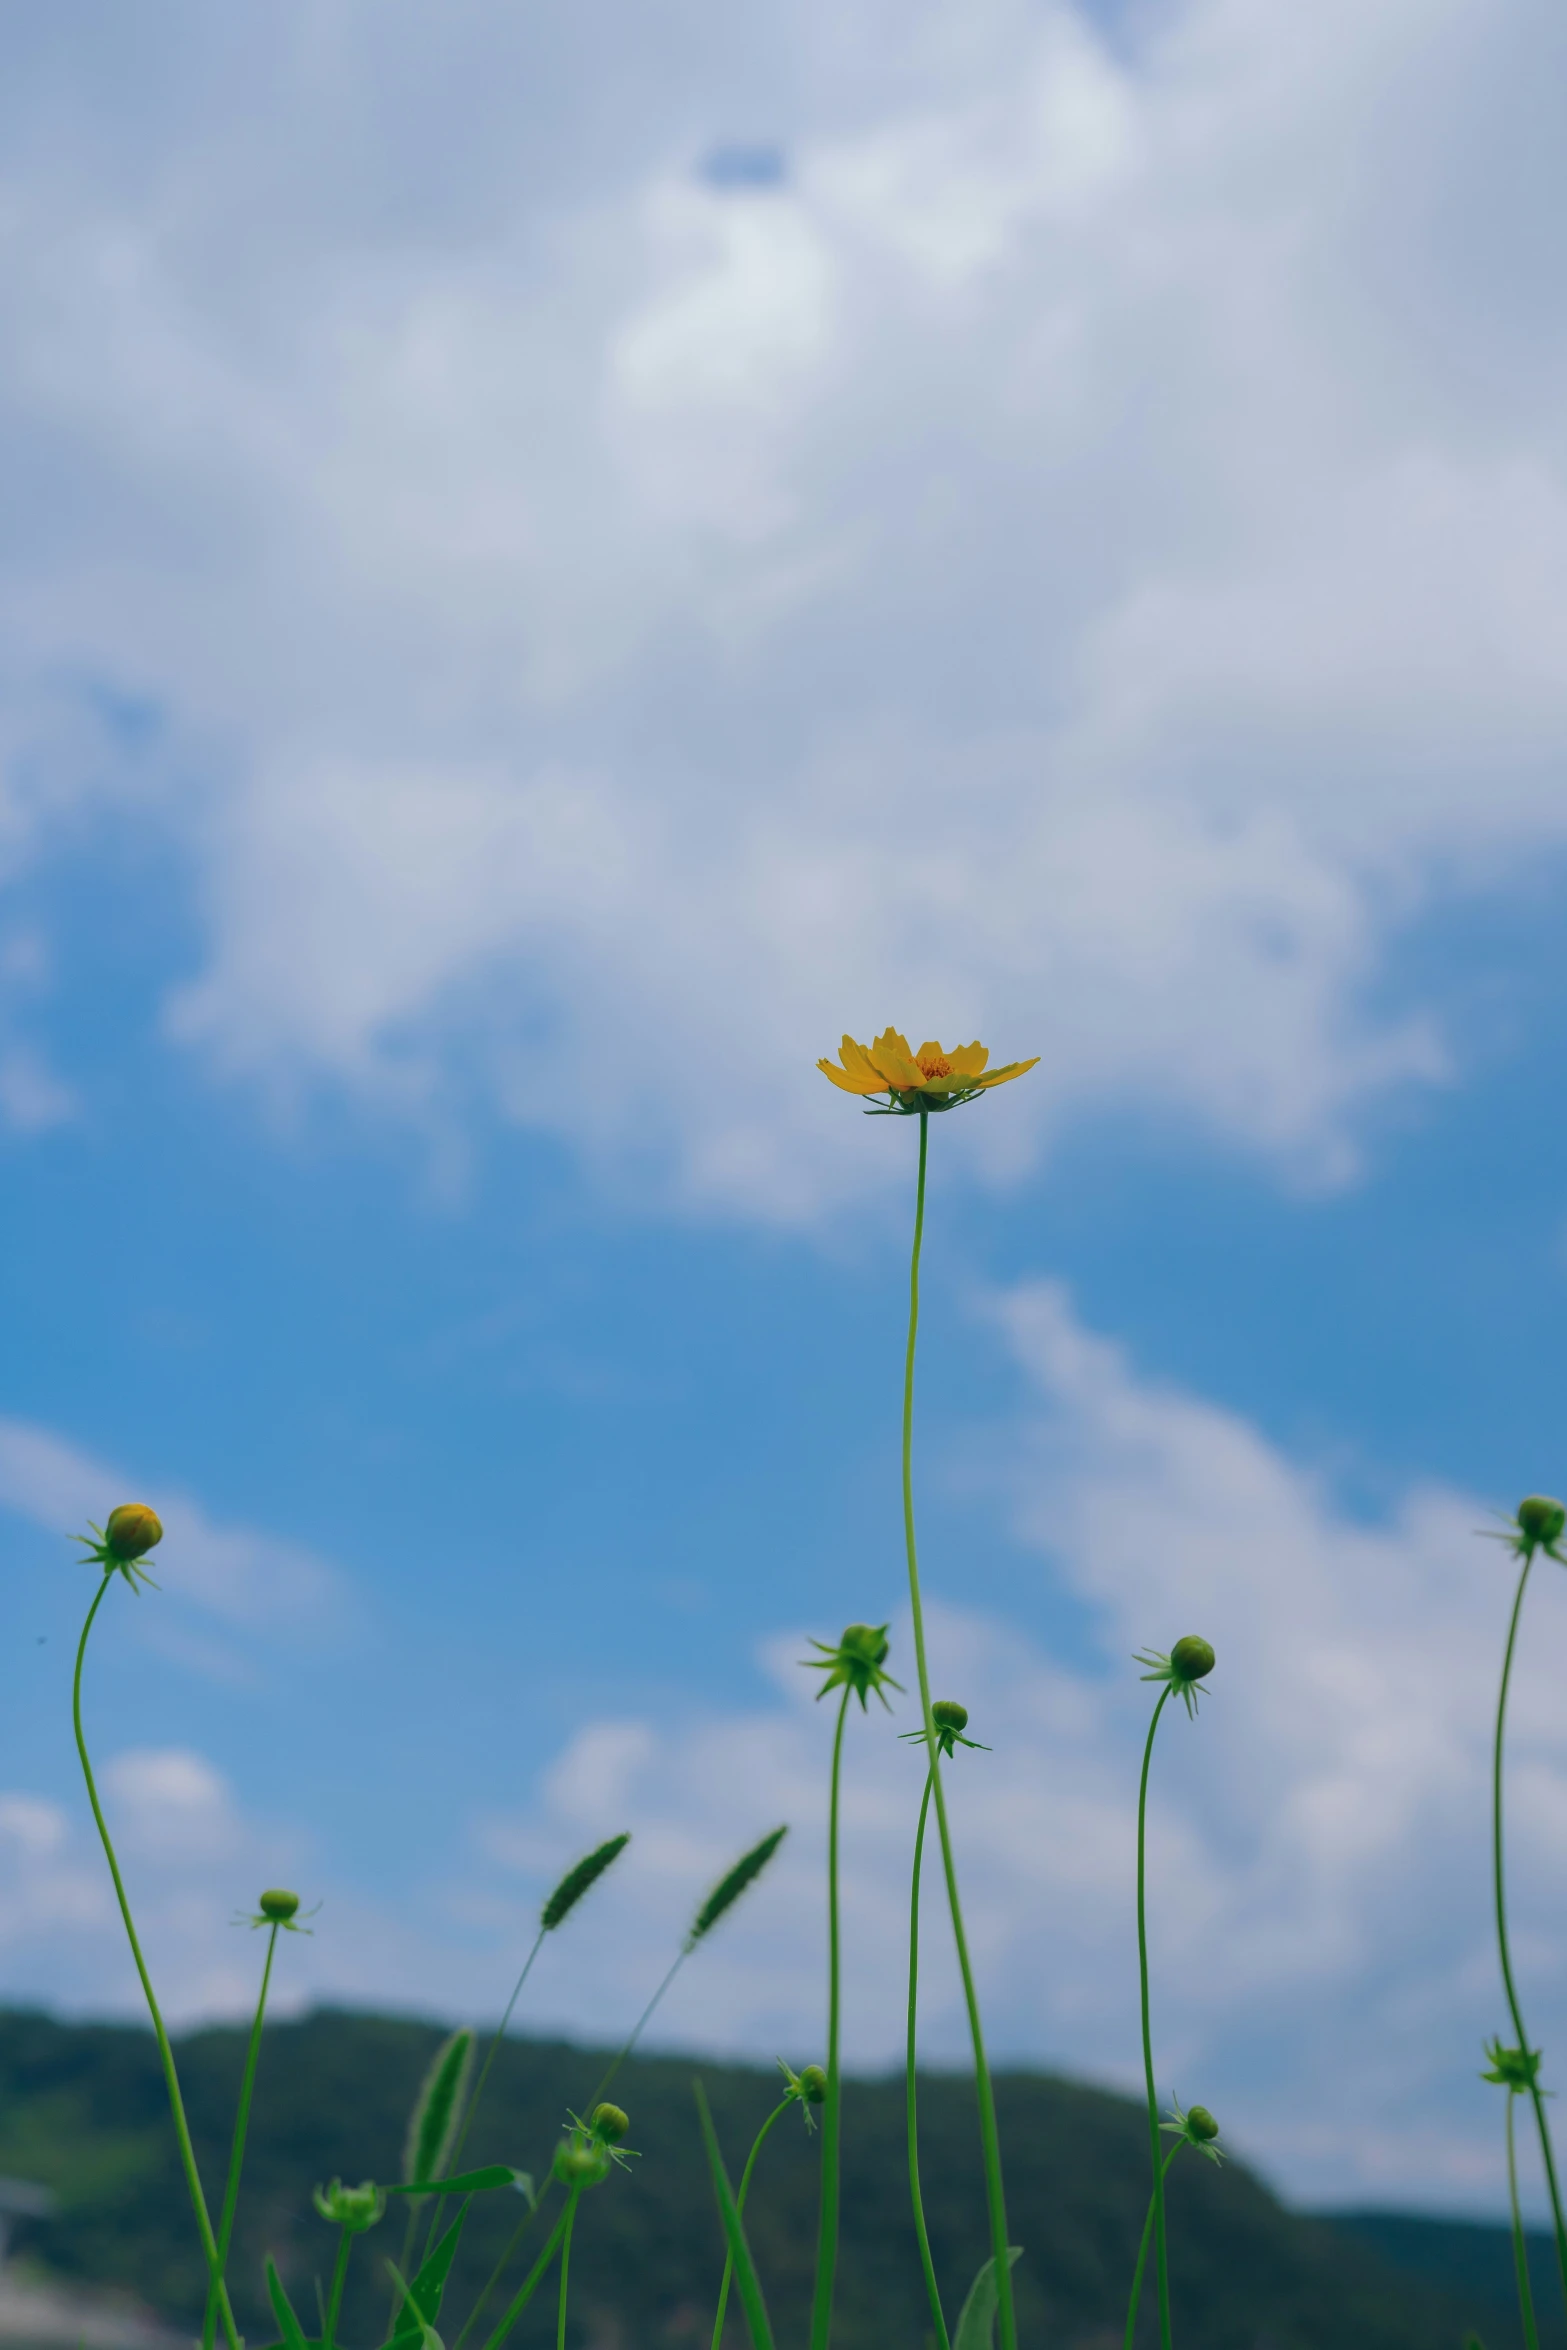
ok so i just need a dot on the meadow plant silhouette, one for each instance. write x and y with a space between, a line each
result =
592 2152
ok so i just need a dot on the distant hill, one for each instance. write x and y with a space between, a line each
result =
81 2109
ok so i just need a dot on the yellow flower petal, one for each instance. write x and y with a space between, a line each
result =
890 1054
968 1059
1012 1069
861 1067
848 1084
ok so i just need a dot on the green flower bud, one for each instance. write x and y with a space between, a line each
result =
277 1907
1192 1658
1541 1520
1183 1670
581 2160
1200 2123
856 1663
133 1529
813 2084
867 1640
947 1714
609 2124
353 2208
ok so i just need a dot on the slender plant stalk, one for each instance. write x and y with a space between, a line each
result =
530 2283
345 2245
1163 2266
528 2217
170 2075
1520 2241
237 2151
565 2268
1142 2254
827 2226
1536 2095
932 2290
454 2165
745 2183
995 2194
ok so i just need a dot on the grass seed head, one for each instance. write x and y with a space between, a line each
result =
580 1879
729 1888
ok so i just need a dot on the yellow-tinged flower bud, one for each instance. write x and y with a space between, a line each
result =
277 1907
133 1529
610 2124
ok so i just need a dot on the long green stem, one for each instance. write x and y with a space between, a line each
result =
995 2194
1520 2241
932 2289
1536 2094
237 2150
454 2166
827 2226
565 2268
528 2217
166 2054
745 2184
1142 1972
345 2245
1142 2254
530 2283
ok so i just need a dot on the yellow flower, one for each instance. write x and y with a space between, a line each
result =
931 1079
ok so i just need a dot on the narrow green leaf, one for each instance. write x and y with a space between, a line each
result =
734 2234
432 2126
428 2286
976 2326
289 2327
467 2182
426 2332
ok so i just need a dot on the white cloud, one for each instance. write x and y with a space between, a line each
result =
1324 1968
245 1580
1323 1961
1080 560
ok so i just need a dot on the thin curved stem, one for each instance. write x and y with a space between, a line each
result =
490 2054
345 2245
171 2077
1142 1973
529 2216
531 2282
827 2225
745 2185
565 2268
1520 2241
1498 1873
1142 2255
237 2151
990 2142
932 2289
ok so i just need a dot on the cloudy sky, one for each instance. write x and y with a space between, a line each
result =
554 562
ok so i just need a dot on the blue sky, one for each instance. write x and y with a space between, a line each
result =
1063 539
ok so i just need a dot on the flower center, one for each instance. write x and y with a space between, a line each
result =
935 1068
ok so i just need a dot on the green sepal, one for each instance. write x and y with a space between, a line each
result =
976 2326
746 2278
469 2182
423 2301
293 2333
